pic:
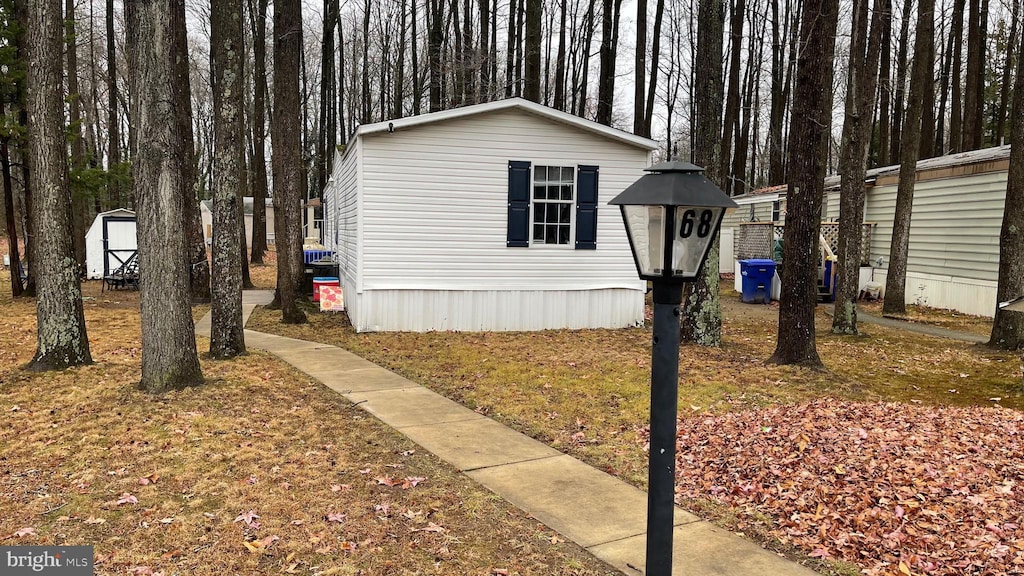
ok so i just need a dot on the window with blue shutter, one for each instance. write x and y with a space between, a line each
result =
586 207
518 204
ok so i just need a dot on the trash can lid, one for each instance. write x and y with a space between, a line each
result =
323 279
759 262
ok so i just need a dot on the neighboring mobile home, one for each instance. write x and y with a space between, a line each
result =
488 217
957 215
206 214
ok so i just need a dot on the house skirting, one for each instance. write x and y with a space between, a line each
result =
967 295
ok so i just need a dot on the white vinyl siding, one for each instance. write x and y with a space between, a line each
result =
434 206
954 227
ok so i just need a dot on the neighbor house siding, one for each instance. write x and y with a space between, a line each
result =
954 228
434 207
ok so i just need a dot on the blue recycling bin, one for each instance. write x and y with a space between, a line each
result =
757 280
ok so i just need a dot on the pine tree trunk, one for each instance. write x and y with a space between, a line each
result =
606 77
926 146
884 93
860 100
226 335
956 113
776 174
286 158
17 288
896 278
434 41
1007 326
559 103
258 245
652 89
114 198
532 46
701 322
808 142
732 94
975 72
60 334
895 136
169 359
199 264
640 69
1008 66
79 201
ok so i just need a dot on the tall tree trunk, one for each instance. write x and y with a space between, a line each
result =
483 53
956 113
199 265
531 85
812 105
609 45
1007 326
417 93
286 158
975 71
776 174
940 118
1008 65
860 100
227 339
397 111
927 148
79 200
113 125
639 67
896 279
434 41
701 322
652 89
885 87
588 38
61 338
365 119
560 60
895 140
17 288
169 359
258 169
732 95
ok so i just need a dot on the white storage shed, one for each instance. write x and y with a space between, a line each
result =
488 217
109 242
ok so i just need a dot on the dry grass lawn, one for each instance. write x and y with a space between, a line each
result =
259 471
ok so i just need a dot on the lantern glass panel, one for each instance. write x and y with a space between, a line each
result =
646 227
695 229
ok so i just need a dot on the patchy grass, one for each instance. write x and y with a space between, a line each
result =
259 471
943 318
586 392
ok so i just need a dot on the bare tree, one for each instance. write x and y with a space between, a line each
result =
860 100
61 339
531 86
896 278
227 338
609 47
169 359
286 158
113 124
812 103
79 204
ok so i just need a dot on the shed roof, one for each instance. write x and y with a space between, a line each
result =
117 212
507 104
247 204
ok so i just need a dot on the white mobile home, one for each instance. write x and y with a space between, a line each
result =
110 242
488 217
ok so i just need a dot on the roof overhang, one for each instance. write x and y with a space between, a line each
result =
507 104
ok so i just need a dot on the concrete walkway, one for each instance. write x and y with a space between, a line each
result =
597 511
921 328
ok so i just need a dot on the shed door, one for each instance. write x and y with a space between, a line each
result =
119 242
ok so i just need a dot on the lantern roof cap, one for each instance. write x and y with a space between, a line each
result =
674 183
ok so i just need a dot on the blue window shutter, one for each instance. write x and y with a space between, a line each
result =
586 208
518 204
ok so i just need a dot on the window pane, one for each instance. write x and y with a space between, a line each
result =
566 192
567 175
538 233
551 236
538 211
538 192
563 234
540 174
563 213
552 214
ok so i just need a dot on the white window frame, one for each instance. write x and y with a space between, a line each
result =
571 244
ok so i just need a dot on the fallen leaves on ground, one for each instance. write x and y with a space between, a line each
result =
891 487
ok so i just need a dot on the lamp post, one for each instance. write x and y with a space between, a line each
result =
672 216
